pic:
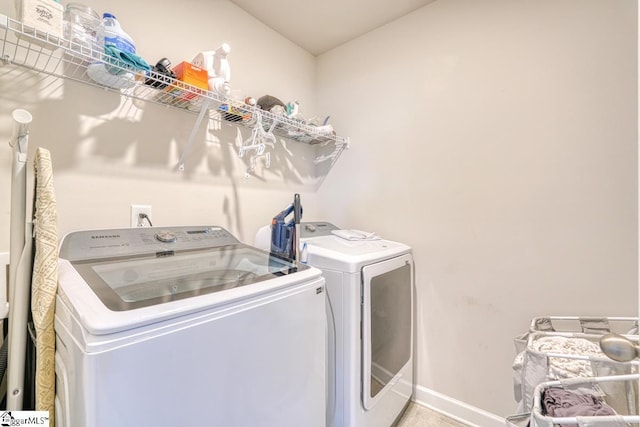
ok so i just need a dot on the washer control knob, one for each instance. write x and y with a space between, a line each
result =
166 236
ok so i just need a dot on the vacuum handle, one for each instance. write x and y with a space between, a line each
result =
297 215
297 209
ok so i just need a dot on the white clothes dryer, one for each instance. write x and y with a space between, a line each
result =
370 285
186 326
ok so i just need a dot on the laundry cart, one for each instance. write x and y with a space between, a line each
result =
587 325
558 348
610 401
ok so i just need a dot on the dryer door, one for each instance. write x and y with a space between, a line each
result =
387 331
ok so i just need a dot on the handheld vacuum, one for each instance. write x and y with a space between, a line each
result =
285 231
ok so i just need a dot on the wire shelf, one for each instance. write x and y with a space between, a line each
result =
25 46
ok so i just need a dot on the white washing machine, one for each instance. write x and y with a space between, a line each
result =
186 326
370 284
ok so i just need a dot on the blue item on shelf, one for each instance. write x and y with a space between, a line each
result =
124 61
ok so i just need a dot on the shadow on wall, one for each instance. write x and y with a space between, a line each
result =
99 132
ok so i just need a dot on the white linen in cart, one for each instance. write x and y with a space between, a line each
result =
560 367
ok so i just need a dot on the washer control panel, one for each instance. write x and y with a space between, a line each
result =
96 244
166 236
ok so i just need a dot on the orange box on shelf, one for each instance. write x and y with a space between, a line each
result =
191 75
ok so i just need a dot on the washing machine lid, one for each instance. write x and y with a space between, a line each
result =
335 253
130 283
133 268
113 281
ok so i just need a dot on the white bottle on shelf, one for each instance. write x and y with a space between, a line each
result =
111 33
114 35
217 66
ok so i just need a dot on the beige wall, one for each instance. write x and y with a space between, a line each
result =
498 138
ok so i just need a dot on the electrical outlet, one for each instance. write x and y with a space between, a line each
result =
140 221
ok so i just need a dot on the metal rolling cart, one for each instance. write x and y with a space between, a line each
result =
567 348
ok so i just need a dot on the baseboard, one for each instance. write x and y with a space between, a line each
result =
459 411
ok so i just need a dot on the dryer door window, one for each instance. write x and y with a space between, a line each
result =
387 311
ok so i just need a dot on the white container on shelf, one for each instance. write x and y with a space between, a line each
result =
111 33
40 16
115 36
81 27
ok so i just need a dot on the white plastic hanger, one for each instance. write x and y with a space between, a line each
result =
258 142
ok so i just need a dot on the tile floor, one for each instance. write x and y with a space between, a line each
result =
419 416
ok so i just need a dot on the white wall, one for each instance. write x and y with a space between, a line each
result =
498 138
109 153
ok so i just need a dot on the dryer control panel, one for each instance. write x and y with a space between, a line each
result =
316 228
125 242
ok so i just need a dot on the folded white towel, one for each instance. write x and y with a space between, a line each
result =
356 235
